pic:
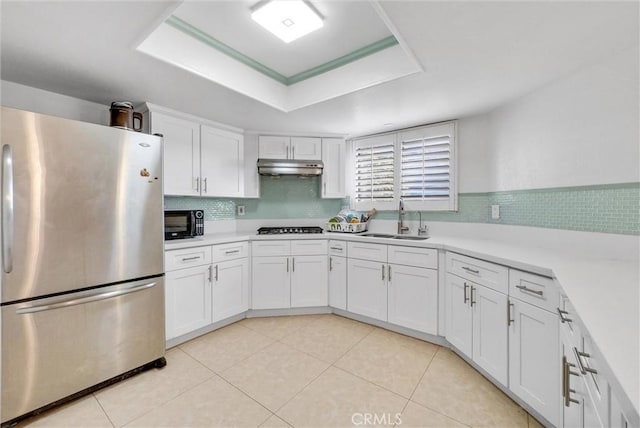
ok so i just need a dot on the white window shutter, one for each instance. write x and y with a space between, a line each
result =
374 172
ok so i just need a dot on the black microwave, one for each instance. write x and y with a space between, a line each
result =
180 224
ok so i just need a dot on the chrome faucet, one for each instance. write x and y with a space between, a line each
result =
401 227
422 230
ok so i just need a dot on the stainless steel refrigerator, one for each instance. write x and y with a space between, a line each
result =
82 291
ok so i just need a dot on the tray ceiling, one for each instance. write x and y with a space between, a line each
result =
355 49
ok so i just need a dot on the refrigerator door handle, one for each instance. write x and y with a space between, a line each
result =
7 209
82 300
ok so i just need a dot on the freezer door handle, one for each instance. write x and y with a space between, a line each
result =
82 300
7 209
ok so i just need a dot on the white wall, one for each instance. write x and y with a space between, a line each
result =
37 100
580 130
473 154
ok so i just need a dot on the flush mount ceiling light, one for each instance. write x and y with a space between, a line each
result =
287 19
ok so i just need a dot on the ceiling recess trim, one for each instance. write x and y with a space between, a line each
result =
360 53
198 34
371 49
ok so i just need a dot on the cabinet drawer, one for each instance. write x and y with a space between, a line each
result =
412 256
187 257
538 290
569 319
230 251
270 248
488 274
337 248
309 247
372 252
591 361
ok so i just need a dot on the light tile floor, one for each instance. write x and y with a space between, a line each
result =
315 370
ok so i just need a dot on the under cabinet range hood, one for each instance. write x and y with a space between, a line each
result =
290 167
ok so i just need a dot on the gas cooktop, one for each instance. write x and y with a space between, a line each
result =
279 230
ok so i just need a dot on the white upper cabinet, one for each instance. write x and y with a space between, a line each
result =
201 158
181 153
306 148
273 147
333 175
283 147
222 162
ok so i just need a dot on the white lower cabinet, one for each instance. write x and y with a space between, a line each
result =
476 319
490 336
534 369
187 300
458 314
296 275
367 288
338 282
390 283
578 406
270 286
230 288
413 297
200 295
309 281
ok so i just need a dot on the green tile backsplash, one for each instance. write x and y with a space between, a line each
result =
283 197
606 208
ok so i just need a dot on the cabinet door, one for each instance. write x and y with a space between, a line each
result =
572 384
413 297
273 147
270 288
490 331
367 290
187 300
230 288
181 154
221 162
338 282
458 314
309 281
306 148
534 367
333 157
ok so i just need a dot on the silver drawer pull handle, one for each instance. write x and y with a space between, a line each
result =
83 300
186 259
584 370
529 290
562 314
509 319
468 269
232 251
336 248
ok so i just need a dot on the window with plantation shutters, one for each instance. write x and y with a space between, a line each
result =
417 165
424 169
374 160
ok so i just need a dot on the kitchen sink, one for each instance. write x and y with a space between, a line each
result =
386 235
411 238
378 235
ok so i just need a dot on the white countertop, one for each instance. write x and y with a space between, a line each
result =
605 292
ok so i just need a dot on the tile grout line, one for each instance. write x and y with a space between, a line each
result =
427 406
320 374
178 395
103 410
